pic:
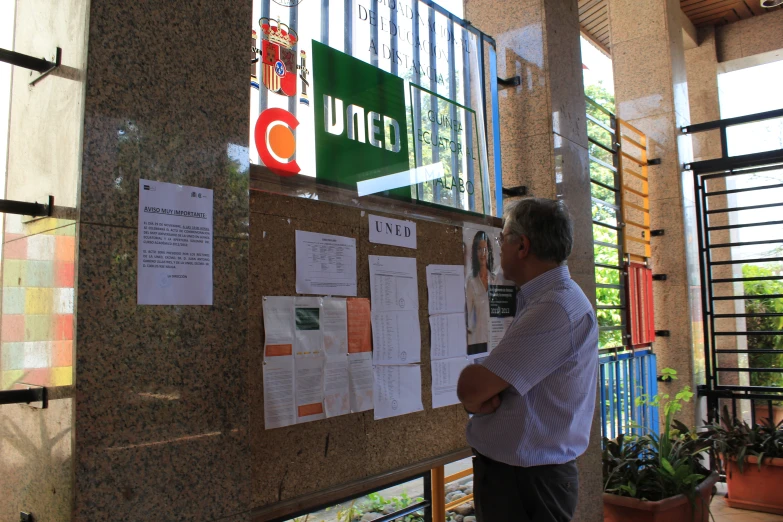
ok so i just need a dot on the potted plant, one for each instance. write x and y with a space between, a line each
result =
752 458
652 478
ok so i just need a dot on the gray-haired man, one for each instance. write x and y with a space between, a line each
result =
533 397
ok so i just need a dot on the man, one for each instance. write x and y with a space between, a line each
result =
533 397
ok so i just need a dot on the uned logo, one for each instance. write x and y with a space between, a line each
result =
275 141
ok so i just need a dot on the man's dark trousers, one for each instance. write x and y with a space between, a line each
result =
506 493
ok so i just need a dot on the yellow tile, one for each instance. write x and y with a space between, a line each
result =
14 272
38 328
7 378
39 301
62 376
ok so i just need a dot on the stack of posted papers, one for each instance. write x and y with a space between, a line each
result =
396 336
448 332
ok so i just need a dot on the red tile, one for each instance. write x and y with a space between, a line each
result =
63 274
38 376
13 328
15 249
63 327
65 248
62 353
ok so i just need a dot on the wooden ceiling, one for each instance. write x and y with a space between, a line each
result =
721 12
594 19
594 15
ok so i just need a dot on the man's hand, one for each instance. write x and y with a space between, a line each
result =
485 407
479 389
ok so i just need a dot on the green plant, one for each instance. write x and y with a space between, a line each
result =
654 467
735 439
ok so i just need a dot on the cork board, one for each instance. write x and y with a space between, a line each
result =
302 459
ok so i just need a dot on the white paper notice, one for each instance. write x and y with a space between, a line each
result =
278 326
397 390
445 374
396 337
448 336
336 390
361 381
325 264
334 325
446 289
393 283
279 404
175 244
309 389
388 231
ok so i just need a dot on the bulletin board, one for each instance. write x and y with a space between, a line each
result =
306 458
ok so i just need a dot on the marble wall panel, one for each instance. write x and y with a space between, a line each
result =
750 37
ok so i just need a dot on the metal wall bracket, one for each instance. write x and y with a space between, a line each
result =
662 333
25 517
32 394
23 208
654 161
514 81
515 192
657 232
659 277
40 65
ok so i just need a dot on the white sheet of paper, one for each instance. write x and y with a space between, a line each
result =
397 390
307 327
445 374
393 283
279 393
361 381
325 264
278 325
309 382
448 336
446 289
334 326
388 231
175 244
336 388
396 337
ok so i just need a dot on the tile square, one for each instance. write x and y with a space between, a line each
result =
39 301
36 355
40 274
13 328
63 327
40 247
62 353
38 328
62 376
37 376
12 356
8 378
64 275
14 272
13 300
62 301
15 249
65 248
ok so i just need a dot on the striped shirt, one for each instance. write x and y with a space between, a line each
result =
549 357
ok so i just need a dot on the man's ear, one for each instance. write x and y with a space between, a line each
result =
524 246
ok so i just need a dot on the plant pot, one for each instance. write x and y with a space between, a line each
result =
762 412
758 490
672 509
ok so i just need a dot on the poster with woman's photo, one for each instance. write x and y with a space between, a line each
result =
490 300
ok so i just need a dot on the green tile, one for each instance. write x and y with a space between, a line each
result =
38 328
12 356
13 300
40 274
14 272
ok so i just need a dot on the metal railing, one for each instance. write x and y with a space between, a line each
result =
623 378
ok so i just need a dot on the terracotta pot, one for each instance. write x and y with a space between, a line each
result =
758 490
672 509
762 412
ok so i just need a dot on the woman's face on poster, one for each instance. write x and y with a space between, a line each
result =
483 252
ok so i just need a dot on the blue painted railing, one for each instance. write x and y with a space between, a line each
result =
624 377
